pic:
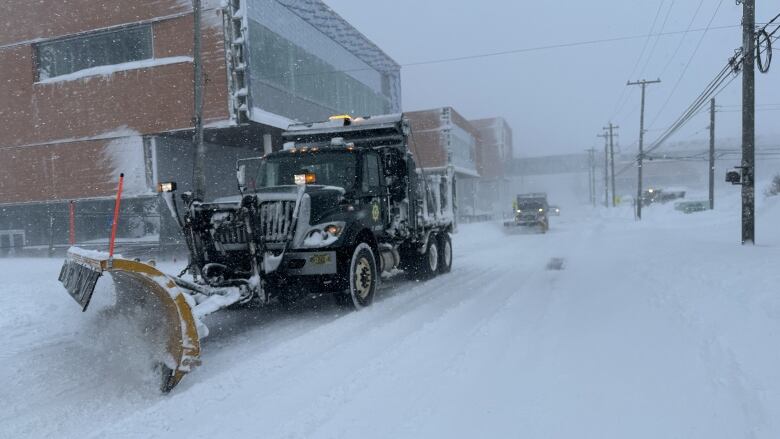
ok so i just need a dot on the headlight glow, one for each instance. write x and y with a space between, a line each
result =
333 230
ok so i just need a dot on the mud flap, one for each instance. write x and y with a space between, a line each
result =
143 284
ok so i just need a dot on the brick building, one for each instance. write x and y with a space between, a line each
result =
89 91
479 151
441 137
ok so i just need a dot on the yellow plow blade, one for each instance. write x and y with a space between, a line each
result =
145 285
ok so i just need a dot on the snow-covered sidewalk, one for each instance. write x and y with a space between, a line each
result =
666 328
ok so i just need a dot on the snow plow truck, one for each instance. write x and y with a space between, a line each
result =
529 213
342 203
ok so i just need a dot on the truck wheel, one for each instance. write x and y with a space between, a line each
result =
363 279
425 266
445 253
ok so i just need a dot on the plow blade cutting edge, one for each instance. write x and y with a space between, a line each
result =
140 283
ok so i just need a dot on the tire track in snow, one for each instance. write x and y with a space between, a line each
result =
407 312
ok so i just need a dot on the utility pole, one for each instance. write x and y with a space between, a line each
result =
643 83
591 176
606 168
199 149
612 135
748 120
712 153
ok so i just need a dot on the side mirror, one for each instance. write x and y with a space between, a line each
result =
241 177
733 177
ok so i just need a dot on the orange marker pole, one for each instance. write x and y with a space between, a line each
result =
116 217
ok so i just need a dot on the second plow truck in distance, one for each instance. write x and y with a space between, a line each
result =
342 203
530 212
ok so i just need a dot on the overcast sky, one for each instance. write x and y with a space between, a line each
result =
557 100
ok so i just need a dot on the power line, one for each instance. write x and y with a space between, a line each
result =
685 69
655 44
621 102
712 89
553 46
682 39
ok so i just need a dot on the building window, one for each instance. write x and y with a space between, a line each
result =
64 56
284 65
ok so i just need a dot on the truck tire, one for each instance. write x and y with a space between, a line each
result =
363 279
445 253
425 266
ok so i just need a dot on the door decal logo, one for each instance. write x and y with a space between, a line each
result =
375 212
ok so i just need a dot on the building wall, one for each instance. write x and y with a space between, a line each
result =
463 139
442 137
59 138
494 148
427 145
494 151
146 100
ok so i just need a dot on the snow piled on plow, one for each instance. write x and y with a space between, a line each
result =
127 340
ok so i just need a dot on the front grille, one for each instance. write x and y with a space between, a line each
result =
276 220
231 233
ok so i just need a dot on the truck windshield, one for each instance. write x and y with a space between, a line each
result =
331 168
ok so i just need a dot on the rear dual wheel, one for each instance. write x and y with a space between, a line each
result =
445 253
437 258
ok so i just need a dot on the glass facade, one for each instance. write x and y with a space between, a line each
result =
463 148
298 72
61 57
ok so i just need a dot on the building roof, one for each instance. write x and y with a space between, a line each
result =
321 16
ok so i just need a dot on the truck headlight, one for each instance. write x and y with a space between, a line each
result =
323 235
332 230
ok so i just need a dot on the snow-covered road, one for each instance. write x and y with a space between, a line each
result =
666 328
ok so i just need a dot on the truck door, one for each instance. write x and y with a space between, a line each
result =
373 192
